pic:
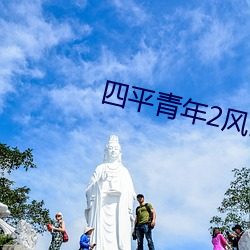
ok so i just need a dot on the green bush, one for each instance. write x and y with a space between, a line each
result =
6 240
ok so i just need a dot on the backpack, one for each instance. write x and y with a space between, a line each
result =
149 212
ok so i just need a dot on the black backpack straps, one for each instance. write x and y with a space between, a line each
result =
137 210
148 208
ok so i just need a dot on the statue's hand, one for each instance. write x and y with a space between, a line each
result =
90 202
104 176
132 217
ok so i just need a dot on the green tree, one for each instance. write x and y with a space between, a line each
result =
17 199
235 207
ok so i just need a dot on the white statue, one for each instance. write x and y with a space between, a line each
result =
244 242
110 197
4 212
25 235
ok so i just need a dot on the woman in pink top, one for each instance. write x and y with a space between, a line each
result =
218 240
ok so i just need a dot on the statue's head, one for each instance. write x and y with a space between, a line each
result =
4 211
113 150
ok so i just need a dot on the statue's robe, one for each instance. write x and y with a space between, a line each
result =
110 197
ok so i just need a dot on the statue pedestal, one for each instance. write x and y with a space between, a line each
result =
244 242
13 247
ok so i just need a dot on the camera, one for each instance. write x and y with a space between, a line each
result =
134 235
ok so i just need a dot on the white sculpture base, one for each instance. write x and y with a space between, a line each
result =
14 247
25 236
7 229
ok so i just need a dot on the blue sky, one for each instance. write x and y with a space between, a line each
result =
55 60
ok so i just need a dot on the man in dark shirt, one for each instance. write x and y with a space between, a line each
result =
236 237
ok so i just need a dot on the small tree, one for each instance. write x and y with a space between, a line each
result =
17 199
6 240
236 204
12 159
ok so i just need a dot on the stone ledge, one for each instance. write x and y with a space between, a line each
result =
12 247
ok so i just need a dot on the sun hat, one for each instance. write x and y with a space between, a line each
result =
87 229
59 213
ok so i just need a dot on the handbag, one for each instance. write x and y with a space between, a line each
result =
49 227
65 236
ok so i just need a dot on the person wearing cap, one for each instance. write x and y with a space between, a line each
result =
142 226
85 239
56 231
239 231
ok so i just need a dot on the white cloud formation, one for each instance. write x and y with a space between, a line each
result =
25 40
217 42
200 34
131 12
77 101
138 66
80 3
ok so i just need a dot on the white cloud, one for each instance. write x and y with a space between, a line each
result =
138 66
143 64
198 19
131 12
25 35
80 3
201 34
217 42
32 33
76 101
